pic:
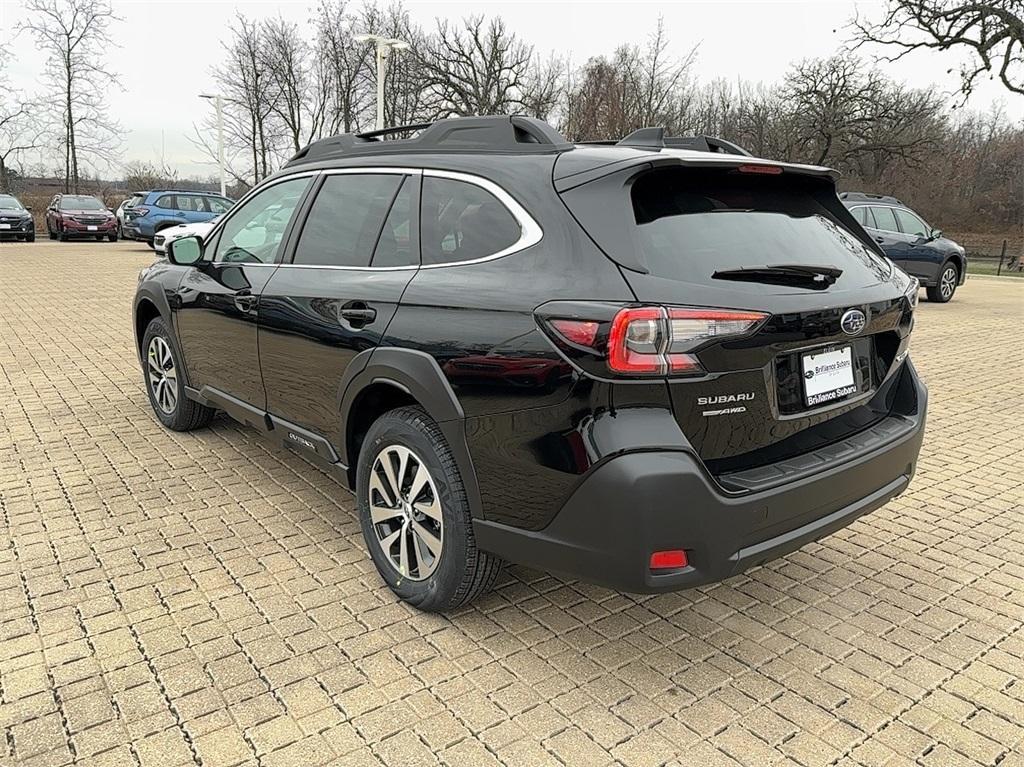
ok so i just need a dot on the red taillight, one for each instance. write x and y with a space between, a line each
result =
674 559
636 341
580 332
652 339
138 212
768 170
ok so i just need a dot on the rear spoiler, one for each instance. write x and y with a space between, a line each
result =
668 157
606 206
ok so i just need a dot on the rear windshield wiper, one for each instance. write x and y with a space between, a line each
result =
801 275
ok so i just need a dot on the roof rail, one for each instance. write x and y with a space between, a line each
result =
502 134
867 196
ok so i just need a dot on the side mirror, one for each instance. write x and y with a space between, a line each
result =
185 251
28 208
936 234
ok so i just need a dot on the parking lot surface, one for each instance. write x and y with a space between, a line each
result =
174 599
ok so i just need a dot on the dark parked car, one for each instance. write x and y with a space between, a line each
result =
15 220
79 215
939 264
152 212
650 365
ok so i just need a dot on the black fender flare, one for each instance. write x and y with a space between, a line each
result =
153 293
417 374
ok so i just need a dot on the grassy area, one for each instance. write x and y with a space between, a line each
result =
989 267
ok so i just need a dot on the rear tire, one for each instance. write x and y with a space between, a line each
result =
162 373
949 276
435 503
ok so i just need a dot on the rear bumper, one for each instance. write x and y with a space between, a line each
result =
637 503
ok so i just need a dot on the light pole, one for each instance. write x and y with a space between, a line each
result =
384 47
218 104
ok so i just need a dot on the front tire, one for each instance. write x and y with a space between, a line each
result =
165 385
415 515
30 237
949 276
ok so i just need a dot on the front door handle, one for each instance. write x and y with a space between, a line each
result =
358 314
879 239
245 302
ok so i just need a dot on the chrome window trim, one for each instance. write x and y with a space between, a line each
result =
530 231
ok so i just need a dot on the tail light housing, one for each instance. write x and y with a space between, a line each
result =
643 341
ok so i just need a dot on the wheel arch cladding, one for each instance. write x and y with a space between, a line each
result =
404 377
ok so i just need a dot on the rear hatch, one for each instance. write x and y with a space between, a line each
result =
834 314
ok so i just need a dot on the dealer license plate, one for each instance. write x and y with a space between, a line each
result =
828 375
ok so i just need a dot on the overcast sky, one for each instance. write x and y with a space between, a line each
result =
166 50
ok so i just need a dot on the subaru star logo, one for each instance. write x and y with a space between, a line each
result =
853 322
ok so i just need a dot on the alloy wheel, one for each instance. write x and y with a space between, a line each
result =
163 378
947 283
405 512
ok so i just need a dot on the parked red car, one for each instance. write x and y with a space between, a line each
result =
79 215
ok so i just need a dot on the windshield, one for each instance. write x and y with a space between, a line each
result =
6 201
80 202
691 225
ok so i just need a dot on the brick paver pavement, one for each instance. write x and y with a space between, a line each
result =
171 599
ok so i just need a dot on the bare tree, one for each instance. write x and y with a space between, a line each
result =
343 67
251 137
992 31
638 87
299 99
19 132
847 112
75 35
476 68
144 175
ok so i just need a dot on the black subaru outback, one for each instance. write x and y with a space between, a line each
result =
650 364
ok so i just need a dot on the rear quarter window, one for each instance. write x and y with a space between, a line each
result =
463 222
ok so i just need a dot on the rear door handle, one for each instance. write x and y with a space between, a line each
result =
245 302
358 313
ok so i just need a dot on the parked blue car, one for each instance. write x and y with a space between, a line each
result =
160 209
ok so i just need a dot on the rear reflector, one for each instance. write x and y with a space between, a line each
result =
673 559
580 332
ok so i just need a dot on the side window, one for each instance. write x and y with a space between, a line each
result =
345 219
911 224
885 220
462 221
396 246
166 201
216 205
190 203
254 233
864 217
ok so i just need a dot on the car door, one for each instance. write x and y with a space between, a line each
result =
192 208
922 258
217 301
887 234
334 297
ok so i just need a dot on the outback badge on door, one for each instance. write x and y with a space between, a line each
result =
853 322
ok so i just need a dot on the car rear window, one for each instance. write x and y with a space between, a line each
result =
692 224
